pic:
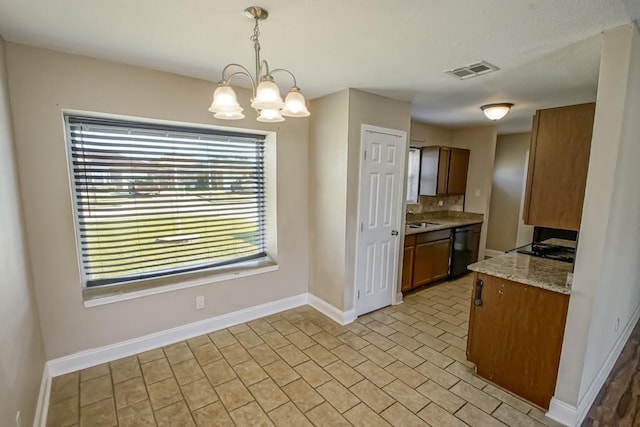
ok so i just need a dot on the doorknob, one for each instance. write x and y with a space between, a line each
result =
394 232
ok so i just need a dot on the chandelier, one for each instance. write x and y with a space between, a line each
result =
266 100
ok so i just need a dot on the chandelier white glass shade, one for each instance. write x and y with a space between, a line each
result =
496 111
266 100
270 115
227 106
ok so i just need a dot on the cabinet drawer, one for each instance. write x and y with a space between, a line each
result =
409 240
432 236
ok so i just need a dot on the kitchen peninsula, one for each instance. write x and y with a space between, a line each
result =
518 312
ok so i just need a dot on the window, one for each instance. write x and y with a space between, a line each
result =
413 175
153 200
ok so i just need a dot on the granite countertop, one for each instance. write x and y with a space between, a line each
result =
443 220
534 271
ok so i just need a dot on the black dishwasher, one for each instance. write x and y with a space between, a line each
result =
464 251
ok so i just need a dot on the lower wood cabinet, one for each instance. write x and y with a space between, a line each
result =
426 258
407 267
515 336
431 262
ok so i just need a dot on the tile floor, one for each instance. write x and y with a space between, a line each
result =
402 365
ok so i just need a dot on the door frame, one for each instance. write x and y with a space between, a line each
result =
402 135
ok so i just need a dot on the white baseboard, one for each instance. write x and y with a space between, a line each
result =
87 358
349 317
399 298
562 412
42 407
491 253
572 416
341 317
594 388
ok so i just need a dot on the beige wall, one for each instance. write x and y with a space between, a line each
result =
375 110
482 143
334 164
42 83
328 142
426 135
22 356
620 268
606 284
506 191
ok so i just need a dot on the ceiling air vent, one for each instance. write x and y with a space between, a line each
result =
472 70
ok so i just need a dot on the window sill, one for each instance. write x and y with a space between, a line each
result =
94 297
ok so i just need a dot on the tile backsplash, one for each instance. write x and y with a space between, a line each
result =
436 203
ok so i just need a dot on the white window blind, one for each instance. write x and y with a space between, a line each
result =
413 175
154 200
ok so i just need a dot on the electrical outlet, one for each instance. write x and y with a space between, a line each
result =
199 302
440 202
18 419
617 326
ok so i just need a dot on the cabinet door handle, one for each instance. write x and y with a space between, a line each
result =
478 300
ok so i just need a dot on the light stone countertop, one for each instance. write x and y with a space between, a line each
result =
534 271
444 221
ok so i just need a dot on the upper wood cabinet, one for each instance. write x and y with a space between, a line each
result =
458 168
443 171
558 163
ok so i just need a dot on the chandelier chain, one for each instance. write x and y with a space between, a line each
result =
256 32
255 38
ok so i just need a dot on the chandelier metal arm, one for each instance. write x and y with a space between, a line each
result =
243 71
284 70
264 66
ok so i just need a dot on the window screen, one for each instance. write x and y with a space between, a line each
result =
153 200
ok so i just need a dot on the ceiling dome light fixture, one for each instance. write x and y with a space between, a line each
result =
266 100
496 111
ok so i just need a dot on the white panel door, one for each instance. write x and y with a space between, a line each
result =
381 183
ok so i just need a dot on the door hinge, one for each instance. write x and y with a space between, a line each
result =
365 154
358 294
361 227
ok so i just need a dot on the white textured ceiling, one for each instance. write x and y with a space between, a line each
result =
548 50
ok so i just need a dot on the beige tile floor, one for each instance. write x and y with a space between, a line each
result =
402 365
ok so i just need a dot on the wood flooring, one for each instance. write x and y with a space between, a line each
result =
618 403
